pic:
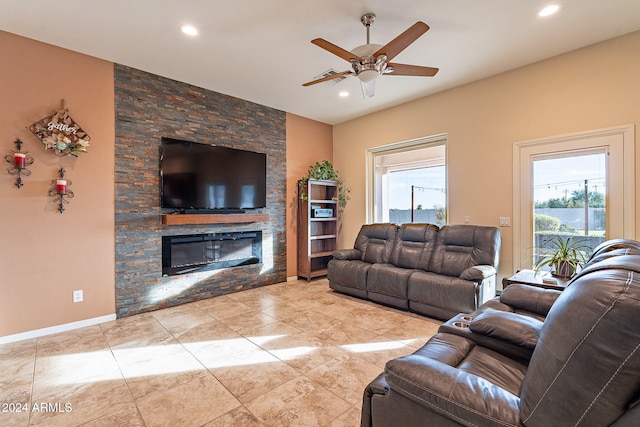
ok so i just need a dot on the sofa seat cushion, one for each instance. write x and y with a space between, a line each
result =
349 274
453 376
387 284
446 293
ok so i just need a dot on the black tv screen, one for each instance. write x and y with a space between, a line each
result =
201 176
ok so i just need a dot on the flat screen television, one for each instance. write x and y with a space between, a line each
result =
197 176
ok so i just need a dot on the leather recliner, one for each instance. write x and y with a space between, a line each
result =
581 366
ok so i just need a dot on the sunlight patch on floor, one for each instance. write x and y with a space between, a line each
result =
171 359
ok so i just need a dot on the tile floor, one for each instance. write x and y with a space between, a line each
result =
293 353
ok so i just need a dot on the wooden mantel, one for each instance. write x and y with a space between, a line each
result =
185 219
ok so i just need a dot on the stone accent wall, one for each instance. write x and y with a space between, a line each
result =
149 107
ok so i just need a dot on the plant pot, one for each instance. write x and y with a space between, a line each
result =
564 270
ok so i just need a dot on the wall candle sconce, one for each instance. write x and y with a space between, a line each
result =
60 190
19 162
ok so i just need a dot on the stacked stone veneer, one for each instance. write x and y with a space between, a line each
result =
149 107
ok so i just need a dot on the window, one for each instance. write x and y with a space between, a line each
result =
569 199
408 182
551 172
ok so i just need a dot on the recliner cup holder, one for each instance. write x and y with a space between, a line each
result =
467 318
461 324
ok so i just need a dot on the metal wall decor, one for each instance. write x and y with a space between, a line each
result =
60 190
19 162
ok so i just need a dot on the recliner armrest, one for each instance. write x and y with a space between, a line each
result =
478 273
347 254
452 392
529 298
522 331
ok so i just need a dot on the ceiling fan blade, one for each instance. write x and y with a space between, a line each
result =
411 70
331 77
400 43
368 88
336 50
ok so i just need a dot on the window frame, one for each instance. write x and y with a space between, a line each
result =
400 147
619 144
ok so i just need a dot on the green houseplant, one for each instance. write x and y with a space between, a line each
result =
325 170
564 255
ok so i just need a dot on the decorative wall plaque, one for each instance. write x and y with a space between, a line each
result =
60 133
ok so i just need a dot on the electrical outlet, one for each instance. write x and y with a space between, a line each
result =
466 220
505 221
78 296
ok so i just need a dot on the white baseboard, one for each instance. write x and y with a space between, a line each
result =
56 329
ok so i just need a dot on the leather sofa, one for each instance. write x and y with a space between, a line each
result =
438 272
531 357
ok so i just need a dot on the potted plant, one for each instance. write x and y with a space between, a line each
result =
564 256
324 170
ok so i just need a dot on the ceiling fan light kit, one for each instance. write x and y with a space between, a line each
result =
370 61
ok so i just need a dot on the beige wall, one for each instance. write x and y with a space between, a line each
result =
308 142
595 87
46 255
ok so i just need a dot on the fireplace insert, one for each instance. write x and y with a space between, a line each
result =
198 252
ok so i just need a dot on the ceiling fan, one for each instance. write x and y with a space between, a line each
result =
369 61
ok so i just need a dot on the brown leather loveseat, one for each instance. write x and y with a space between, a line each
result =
558 359
434 271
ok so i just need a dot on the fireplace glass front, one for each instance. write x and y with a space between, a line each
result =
197 252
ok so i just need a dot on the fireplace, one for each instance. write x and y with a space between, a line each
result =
198 252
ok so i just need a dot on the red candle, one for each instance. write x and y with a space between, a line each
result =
18 160
61 186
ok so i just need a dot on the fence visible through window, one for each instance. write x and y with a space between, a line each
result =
569 195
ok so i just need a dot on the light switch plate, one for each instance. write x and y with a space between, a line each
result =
505 221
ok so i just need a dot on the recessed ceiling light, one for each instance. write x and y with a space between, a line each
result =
189 30
343 94
549 10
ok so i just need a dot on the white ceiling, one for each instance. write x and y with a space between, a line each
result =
260 50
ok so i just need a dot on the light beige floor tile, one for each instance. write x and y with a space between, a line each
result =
194 403
350 418
81 405
66 373
223 307
346 376
247 321
415 332
239 417
299 402
135 331
152 368
81 340
302 351
205 333
255 379
178 321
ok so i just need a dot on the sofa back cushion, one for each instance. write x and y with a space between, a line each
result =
375 242
462 246
414 246
588 353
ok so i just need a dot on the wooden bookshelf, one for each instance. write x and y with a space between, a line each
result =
316 235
